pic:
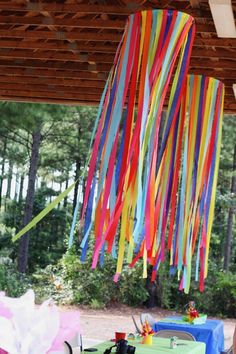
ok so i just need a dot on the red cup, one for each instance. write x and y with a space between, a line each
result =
119 335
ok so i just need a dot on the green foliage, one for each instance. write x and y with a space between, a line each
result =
163 287
49 282
225 289
73 282
6 251
132 287
12 283
224 198
218 298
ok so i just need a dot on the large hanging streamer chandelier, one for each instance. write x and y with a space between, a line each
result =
155 45
152 176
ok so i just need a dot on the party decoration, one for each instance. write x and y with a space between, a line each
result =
41 329
192 316
144 183
123 184
147 333
191 311
191 197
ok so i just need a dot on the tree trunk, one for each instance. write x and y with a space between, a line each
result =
151 287
20 197
66 198
2 169
77 167
24 241
16 186
50 196
229 235
77 173
60 190
9 180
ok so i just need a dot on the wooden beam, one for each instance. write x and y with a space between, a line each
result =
228 82
68 8
52 73
55 74
205 28
215 42
76 87
47 55
218 74
64 22
98 47
105 67
80 36
214 53
91 9
67 91
56 65
195 4
42 100
58 46
57 95
74 82
55 82
229 107
62 35
72 90
102 58
213 64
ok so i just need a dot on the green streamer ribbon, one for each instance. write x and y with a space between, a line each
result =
43 213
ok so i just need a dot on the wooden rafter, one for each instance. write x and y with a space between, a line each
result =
41 21
85 56
62 35
46 55
59 46
62 52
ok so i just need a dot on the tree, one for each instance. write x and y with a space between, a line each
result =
224 229
27 125
3 154
232 209
24 241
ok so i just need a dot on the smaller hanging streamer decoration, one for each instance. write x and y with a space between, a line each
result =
187 187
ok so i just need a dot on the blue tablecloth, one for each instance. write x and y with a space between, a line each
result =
211 332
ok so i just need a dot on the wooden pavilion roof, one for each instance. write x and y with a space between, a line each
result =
61 51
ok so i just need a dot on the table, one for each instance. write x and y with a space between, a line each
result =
160 346
211 332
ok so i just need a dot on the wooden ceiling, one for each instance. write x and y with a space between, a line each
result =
61 51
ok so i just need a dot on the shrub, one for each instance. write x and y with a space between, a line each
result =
224 294
13 283
73 282
218 298
132 287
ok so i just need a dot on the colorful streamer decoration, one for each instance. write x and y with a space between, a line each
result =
152 178
122 196
187 187
152 175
